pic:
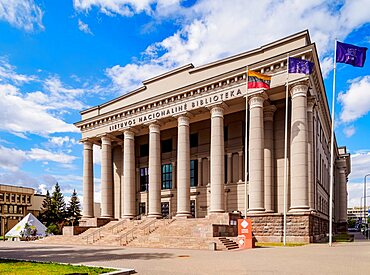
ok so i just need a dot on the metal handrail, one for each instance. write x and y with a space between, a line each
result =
120 223
92 234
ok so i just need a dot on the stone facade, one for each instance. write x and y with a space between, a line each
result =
194 142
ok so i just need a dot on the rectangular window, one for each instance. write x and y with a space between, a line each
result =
193 173
13 197
144 150
23 199
28 199
166 145
166 176
1 197
142 209
144 179
7 197
194 140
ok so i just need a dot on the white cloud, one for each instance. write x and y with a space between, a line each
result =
356 100
84 27
60 141
22 14
349 131
23 114
126 7
130 76
360 165
97 154
8 74
42 155
209 31
326 66
11 159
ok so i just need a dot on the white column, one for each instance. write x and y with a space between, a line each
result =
310 151
342 195
129 175
154 171
183 167
229 167
240 166
106 179
217 160
88 181
298 148
268 117
123 182
256 154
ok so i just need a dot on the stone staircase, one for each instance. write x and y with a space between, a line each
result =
150 232
228 243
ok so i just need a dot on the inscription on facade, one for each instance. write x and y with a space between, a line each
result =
181 107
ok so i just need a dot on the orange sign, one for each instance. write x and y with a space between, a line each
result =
245 233
245 228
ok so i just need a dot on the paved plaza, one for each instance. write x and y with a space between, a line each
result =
345 258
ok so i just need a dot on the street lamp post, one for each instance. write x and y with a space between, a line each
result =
365 210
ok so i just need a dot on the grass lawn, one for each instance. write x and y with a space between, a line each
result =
26 267
278 244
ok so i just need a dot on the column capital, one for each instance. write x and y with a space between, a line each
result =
268 112
183 120
217 111
154 128
311 102
240 153
257 100
129 134
229 155
88 145
105 140
299 88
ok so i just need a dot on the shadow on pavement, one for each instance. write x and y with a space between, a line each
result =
72 255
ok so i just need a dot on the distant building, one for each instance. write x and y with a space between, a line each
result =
15 203
356 212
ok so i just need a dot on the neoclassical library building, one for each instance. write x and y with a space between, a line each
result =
195 141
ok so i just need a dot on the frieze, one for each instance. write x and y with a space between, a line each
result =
181 107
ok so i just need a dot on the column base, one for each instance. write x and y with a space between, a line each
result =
215 211
128 217
256 210
269 211
155 215
295 209
183 214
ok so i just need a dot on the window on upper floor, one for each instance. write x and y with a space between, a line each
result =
166 176
193 173
166 145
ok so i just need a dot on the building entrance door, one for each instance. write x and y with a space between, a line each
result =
165 209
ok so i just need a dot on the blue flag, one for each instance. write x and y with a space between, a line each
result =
351 54
299 66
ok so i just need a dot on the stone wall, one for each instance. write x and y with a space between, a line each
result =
302 227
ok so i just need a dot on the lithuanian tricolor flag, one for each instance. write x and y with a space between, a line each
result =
258 80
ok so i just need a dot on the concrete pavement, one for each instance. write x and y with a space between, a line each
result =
346 258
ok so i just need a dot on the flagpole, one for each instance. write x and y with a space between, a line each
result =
286 149
332 151
246 150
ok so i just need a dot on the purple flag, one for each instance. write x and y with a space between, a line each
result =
351 54
299 66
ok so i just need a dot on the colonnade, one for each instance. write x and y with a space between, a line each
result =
261 161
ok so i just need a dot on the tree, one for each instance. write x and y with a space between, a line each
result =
58 207
74 209
46 215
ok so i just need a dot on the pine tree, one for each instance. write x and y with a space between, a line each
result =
46 215
74 209
58 206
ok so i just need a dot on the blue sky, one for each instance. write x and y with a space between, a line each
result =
59 57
